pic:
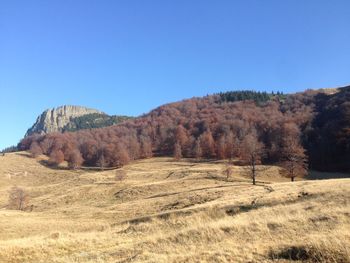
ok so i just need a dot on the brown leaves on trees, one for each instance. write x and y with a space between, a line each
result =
200 128
122 156
146 148
197 150
35 149
221 148
177 151
181 136
208 144
56 157
75 160
294 159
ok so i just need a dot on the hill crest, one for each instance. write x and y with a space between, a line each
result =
71 118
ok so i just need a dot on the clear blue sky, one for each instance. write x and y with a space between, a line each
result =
127 57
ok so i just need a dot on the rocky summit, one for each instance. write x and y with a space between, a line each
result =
56 119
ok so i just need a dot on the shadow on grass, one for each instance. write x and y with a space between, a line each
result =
24 154
316 175
47 164
310 253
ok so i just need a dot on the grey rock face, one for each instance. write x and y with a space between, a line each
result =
54 120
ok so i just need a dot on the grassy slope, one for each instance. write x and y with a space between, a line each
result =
169 211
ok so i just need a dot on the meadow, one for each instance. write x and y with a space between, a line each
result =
161 210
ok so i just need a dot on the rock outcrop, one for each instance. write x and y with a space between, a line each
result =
55 120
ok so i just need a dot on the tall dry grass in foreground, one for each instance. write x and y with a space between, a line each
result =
166 211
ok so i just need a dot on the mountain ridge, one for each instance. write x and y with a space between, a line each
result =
55 119
72 118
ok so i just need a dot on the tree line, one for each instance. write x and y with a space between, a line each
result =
93 121
195 128
9 149
257 96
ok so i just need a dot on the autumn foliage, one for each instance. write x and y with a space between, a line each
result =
209 128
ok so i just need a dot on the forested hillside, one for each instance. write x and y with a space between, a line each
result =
328 141
93 121
219 126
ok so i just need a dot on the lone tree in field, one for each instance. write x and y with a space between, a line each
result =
18 198
294 160
177 151
251 151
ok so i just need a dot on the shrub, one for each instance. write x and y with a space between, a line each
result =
228 172
120 175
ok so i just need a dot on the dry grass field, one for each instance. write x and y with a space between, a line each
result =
167 211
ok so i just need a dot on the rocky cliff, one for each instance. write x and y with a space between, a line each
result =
55 120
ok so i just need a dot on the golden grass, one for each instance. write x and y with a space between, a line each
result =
168 211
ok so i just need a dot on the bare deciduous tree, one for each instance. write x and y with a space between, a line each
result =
252 150
228 172
18 198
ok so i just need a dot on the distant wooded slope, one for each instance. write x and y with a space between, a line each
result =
215 127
